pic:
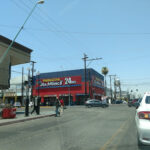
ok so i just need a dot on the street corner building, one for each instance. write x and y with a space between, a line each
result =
18 54
69 86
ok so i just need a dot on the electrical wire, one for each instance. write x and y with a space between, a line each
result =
46 19
73 32
37 19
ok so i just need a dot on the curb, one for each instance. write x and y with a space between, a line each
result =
26 119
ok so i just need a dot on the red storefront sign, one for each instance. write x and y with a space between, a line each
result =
97 82
59 82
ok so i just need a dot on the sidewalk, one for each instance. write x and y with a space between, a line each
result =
20 117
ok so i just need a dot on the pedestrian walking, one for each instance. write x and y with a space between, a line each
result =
35 104
62 106
57 104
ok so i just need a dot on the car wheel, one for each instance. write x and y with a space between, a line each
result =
103 106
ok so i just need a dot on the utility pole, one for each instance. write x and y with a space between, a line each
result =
22 86
89 83
120 91
38 99
27 95
85 85
33 62
85 58
111 86
115 87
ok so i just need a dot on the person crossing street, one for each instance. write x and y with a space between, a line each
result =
57 104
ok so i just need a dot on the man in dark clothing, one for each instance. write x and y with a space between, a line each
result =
57 104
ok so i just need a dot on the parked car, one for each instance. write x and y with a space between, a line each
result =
124 102
142 119
17 104
138 103
2 105
119 101
96 103
132 102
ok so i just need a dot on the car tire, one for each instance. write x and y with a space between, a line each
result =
103 106
89 106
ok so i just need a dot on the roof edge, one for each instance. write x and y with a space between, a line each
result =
15 44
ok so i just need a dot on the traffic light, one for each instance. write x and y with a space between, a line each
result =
25 83
31 80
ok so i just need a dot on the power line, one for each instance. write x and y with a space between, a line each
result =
75 32
59 26
39 20
47 20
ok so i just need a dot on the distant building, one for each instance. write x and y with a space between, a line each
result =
69 86
14 93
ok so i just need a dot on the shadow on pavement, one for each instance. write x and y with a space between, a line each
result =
144 147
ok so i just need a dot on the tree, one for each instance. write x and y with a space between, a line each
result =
105 72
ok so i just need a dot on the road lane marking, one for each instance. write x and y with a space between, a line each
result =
113 136
123 135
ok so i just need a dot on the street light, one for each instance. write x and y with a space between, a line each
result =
40 2
8 49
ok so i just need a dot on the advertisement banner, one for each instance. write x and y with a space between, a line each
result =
59 82
97 82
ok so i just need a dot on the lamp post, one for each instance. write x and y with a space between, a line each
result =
8 49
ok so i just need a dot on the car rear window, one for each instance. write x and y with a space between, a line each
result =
147 100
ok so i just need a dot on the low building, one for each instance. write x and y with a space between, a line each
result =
16 92
18 54
69 86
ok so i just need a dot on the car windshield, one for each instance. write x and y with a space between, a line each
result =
147 100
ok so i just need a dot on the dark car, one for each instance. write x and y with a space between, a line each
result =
137 104
132 102
119 102
95 103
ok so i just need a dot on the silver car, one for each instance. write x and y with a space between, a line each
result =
95 103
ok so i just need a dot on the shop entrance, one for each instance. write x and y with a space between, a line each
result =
49 101
97 97
66 99
80 99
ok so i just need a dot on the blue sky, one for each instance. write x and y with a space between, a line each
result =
60 31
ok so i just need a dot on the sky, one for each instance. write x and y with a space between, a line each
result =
60 31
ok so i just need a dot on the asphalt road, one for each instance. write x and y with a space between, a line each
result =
79 128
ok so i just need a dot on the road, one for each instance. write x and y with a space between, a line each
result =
79 128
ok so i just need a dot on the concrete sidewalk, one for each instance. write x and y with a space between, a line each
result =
20 117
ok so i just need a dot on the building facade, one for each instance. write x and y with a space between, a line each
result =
18 54
15 93
69 86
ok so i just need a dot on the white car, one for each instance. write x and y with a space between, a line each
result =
17 104
142 119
